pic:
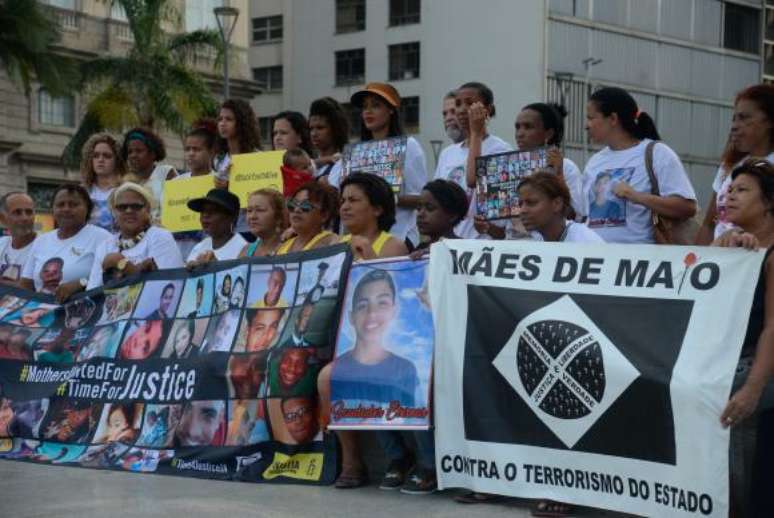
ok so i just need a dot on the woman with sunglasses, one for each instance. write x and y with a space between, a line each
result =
138 246
311 209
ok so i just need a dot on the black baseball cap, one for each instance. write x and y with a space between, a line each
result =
224 199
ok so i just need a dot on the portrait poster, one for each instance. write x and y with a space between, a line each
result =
498 176
207 373
606 209
385 158
588 375
380 377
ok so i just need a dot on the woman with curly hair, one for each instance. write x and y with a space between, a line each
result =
143 150
102 169
237 133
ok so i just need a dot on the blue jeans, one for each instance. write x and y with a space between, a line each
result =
395 448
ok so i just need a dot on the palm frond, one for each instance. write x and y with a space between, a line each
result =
190 45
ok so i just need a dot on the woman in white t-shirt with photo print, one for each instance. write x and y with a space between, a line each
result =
751 136
617 187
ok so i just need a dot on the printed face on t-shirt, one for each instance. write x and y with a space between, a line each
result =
51 274
605 208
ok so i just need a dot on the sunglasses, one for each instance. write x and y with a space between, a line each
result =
297 415
125 207
304 206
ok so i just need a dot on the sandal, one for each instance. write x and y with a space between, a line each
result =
551 509
473 497
352 479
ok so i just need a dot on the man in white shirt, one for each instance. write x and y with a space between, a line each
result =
450 123
17 213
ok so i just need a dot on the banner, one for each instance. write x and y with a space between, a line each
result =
381 373
175 214
498 176
210 373
592 375
253 171
385 158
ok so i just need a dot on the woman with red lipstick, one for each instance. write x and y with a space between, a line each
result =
311 209
751 135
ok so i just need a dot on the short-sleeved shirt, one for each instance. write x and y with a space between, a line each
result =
76 254
157 243
102 216
12 260
720 185
452 164
230 250
618 220
574 180
574 233
392 379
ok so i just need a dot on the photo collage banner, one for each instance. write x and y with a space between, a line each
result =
385 158
209 373
498 176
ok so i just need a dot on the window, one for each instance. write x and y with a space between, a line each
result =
56 111
409 113
404 12
267 29
404 61
350 15
355 120
42 194
742 28
350 66
201 15
265 127
270 78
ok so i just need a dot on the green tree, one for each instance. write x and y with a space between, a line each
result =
27 33
153 84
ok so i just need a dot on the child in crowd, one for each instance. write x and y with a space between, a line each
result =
297 169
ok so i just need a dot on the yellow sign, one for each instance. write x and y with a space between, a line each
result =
44 223
175 214
302 466
253 171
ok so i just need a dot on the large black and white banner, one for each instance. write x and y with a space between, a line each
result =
586 374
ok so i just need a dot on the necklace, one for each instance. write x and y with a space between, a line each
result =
131 242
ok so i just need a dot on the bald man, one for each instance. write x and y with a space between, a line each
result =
17 214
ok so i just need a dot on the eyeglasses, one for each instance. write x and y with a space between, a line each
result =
298 414
125 207
304 206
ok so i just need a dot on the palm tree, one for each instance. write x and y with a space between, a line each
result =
27 33
152 85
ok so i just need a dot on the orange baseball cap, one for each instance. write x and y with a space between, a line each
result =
382 90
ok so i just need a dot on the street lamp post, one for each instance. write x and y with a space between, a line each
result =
587 64
226 17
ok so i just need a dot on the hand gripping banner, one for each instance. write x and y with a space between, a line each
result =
210 373
588 375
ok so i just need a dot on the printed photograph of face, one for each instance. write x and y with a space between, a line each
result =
247 424
197 297
142 460
51 274
103 455
230 289
119 303
9 304
202 423
158 429
605 208
245 375
103 342
159 300
292 372
80 312
319 279
142 340
19 449
60 345
16 342
294 420
272 286
33 314
58 453
221 332
260 330
21 418
70 420
185 338
119 423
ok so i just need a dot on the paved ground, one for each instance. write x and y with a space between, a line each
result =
29 490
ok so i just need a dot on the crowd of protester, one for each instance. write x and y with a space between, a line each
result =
109 227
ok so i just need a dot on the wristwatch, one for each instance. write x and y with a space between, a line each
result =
121 265
83 281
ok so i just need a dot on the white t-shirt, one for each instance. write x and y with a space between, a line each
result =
452 163
618 220
574 233
12 260
226 252
720 185
574 180
157 243
102 216
76 254
334 175
187 174
155 183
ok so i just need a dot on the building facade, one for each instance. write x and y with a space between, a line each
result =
34 131
684 60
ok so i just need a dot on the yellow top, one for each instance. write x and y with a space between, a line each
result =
285 247
377 245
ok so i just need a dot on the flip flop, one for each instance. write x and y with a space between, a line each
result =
478 498
551 509
351 480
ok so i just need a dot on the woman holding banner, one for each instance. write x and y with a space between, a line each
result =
138 246
749 411
219 211
267 219
311 209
